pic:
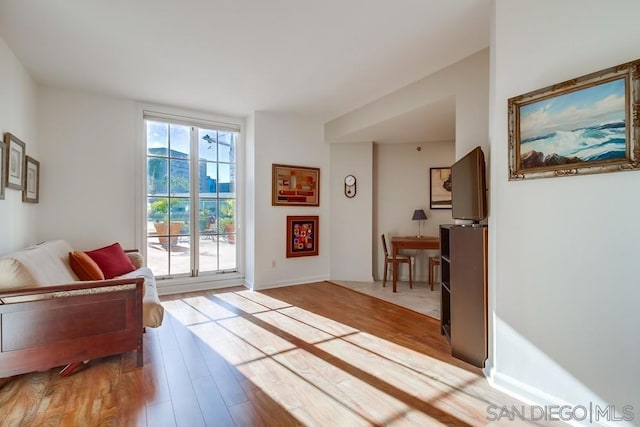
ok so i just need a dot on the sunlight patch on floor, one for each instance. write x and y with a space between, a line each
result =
263 299
183 312
242 303
348 376
294 327
209 308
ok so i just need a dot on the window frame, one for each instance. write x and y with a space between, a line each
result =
203 120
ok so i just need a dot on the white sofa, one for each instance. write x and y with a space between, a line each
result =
48 264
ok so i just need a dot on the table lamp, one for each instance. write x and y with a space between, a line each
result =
419 215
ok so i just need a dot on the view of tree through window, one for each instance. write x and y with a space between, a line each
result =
191 199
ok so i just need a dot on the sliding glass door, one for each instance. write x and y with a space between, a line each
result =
191 198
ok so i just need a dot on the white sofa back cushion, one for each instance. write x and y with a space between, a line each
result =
47 263
14 275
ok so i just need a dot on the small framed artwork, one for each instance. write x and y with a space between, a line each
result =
440 188
585 125
14 173
31 193
302 236
3 154
295 186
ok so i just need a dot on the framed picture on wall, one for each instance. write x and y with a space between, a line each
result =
3 154
440 188
585 125
14 173
295 186
302 236
31 193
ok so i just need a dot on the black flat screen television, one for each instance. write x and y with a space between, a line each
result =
468 187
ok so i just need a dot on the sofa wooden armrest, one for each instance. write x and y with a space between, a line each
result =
47 326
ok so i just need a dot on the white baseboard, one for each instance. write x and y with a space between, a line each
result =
521 391
177 286
290 282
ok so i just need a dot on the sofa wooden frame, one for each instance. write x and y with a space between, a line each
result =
55 325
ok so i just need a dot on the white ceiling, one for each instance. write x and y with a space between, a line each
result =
320 57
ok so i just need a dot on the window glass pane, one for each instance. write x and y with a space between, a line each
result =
227 180
208 252
208 216
157 209
227 252
180 256
179 141
180 214
226 216
208 172
227 147
157 178
179 181
207 144
157 256
157 138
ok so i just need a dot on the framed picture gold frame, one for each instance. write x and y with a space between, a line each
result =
295 185
585 125
14 163
303 233
31 193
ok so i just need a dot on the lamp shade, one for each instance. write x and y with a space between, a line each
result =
419 214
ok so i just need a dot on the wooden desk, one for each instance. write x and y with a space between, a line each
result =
410 242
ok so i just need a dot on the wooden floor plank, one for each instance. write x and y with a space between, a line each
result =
161 415
314 354
193 360
185 404
221 372
214 409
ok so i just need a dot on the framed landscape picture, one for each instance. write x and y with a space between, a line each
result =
583 126
3 154
14 174
31 193
440 188
302 236
295 186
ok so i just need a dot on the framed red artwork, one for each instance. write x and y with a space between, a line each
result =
302 236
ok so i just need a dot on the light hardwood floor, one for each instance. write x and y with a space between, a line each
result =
317 354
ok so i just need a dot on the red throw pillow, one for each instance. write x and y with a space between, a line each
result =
112 260
84 267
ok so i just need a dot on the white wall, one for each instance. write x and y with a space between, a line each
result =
466 80
88 163
294 140
18 115
351 218
401 177
250 195
563 251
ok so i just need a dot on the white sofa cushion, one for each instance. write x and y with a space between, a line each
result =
48 263
13 274
152 310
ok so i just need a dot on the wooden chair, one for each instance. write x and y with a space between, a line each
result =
434 261
388 259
